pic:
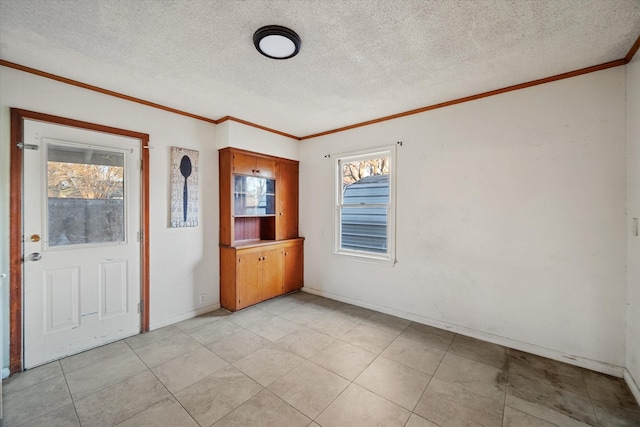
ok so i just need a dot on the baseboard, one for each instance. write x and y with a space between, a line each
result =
633 385
188 315
5 373
582 362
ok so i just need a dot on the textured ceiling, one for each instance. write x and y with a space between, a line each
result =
360 59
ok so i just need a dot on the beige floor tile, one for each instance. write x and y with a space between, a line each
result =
120 401
309 388
251 317
344 359
31 377
94 356
474 376
480 351
215 396
264 410
279 305
333 324
414 354
328 303
196 322
433 337
63 417
303 296
417 421
82 382
515 418
552 372
610 390
188 369
369 338
450 406
357 407
238 345
395 382
543 412
35 401
167 412
561 401
214 331
387 322
358 314
305 342
268 364
616 416
149 337
275 328
303 315
159 352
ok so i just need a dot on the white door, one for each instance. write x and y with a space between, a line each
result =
81 199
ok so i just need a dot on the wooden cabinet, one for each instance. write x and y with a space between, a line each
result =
253 274
261 255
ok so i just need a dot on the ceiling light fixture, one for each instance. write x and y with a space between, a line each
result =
276 42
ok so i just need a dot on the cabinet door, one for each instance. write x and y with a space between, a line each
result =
272 273
249 278
265 167
244 164
292 268
287 201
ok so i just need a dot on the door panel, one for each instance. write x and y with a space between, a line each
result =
114 289
61 301
81 217
272 273
292 268
249 278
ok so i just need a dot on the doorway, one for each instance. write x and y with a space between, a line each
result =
79 250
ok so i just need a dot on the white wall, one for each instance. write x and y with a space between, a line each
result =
511 220
184 262
633 211
234 134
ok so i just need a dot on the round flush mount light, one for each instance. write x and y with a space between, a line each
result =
276 42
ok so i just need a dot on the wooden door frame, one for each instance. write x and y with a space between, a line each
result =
18 116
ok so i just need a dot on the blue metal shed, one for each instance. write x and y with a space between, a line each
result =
365 228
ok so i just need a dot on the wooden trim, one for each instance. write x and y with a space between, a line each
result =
244 122
475 97
145 207
15 245
18 116
101 90
633 50
557 77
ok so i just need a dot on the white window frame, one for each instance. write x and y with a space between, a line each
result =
387 258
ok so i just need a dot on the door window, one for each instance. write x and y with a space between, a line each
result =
85 195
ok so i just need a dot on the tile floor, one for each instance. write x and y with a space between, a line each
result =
302 360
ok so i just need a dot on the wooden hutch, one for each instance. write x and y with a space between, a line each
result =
261 254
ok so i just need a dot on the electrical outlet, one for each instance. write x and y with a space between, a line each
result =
203 298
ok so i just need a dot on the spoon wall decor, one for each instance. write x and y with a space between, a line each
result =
185 170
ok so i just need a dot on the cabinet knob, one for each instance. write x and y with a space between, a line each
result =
286 253
257 171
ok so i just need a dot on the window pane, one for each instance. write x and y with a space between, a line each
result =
356 170
364 229
85 195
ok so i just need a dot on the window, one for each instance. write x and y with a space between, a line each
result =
365 204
